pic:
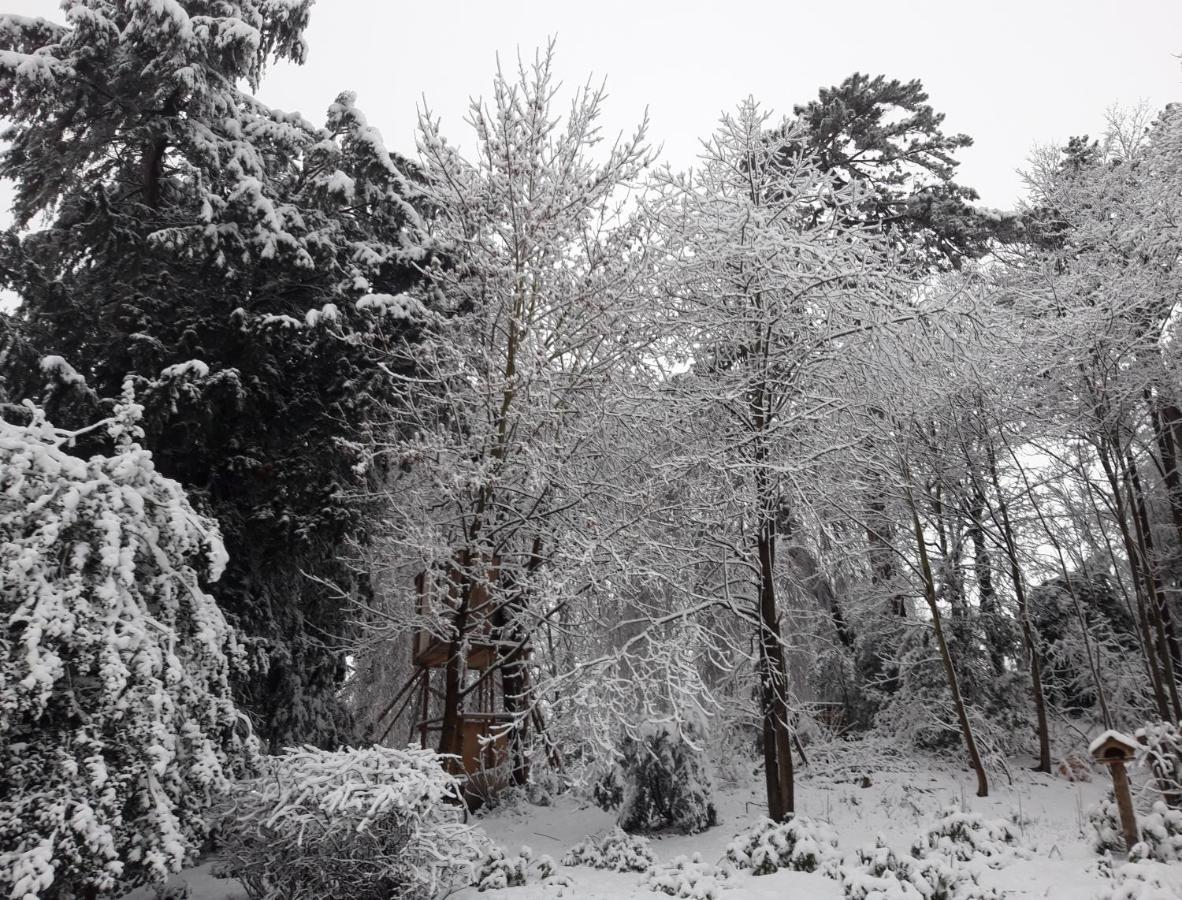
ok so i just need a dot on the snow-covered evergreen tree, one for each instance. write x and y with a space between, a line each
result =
117 728
661 781
186 220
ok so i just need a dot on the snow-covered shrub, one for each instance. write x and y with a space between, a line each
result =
1161 753
1161 834
689 878
962 836
497 871
1142 881
660 782
616 850
881 875
1104 823
117 729
367 824
800 844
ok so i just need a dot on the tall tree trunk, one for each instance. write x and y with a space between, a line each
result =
777 749
1032 649
929 592
989 608
450 736
1145 615
514 652
1167 422
1162 621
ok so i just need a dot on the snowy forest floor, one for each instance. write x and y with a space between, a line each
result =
905 794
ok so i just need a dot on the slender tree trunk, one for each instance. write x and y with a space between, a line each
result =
1145 614
1167 421
514 650
990 609
929 591
450 736
1032 648
1167 640
1069 585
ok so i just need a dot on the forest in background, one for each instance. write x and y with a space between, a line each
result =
798 444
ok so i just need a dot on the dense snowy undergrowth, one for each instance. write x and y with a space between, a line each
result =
1032 838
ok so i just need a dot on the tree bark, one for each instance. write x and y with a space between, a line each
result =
777 749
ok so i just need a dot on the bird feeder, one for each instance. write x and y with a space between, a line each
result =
1114 750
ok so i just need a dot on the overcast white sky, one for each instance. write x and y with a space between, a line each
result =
1010 74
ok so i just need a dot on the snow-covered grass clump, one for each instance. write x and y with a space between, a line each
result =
800 844
962 836
498 870
689 878
372 824
616 850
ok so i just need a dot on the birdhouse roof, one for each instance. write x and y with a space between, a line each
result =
1109 741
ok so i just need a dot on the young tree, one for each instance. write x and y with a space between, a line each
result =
117 728
768 284
491 451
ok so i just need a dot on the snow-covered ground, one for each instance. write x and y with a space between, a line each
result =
904 795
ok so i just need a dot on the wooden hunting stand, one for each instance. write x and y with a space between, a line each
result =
482 743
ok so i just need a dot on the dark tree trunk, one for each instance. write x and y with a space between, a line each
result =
1162 621
777 749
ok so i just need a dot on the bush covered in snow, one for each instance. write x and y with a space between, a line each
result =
497 870
660 782
1161 754
689 878
961 836
117 729
1142 881
372 824
800 844
1161 834
616 850
1105 826
881 875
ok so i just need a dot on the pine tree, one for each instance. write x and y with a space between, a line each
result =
216 250
884 135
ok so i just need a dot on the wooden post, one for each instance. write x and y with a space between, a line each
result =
1124 802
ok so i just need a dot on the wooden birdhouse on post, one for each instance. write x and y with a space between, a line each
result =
1114 750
